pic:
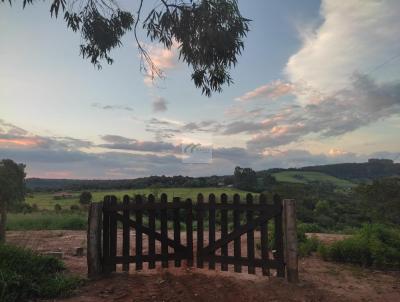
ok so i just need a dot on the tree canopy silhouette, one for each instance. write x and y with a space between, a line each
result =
12 189
209 33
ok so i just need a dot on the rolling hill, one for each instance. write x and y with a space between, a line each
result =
306 177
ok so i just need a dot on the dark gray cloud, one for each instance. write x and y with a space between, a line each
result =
117 142
116 139
242 127
112 107
165 129
160 104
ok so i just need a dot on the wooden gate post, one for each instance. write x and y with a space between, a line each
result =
291 248
94 263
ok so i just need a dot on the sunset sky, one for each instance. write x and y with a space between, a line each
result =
318 82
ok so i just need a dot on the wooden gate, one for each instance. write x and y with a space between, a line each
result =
256 216
219 224
114 212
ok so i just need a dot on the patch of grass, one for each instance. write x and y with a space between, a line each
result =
305 177
307 247
309 228
374 245
27 276
46 221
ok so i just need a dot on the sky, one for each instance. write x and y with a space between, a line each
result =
318 82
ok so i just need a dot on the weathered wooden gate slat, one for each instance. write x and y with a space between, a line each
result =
113 234
211 229
279 238
126 229
177 229
189 232
237 249
200 230
250 237
264 240
164 232
151 234
106 235
139 234
224 231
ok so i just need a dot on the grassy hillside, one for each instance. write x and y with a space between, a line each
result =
305 177
373 169
45 201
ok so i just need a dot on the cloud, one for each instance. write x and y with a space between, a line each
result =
336 152
73 158
164 59
160 104
12 136
122 143
167 129
362 103
112 107
270 91
355 36
242 126
116 139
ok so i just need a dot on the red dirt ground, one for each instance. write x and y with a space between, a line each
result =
320 281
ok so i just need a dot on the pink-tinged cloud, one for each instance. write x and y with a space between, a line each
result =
57 174
164 59
273 90
336 152
21 141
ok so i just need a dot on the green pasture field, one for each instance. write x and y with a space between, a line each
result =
305 177
46 201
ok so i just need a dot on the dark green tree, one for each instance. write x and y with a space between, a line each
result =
245 179
380 200
85 197
209 33
12 190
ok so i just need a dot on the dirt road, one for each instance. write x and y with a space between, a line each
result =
320 281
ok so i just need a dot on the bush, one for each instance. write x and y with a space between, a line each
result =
57 208
309 228
74 207
85 197
26 276
307 247
374 245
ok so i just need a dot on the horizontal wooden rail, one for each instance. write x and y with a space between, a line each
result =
272 264
183 205
148 258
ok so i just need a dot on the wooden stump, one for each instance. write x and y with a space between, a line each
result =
94 262
291 246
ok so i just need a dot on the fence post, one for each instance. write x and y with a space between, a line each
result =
291 248
94 263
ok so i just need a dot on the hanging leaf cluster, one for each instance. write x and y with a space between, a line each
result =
209 33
